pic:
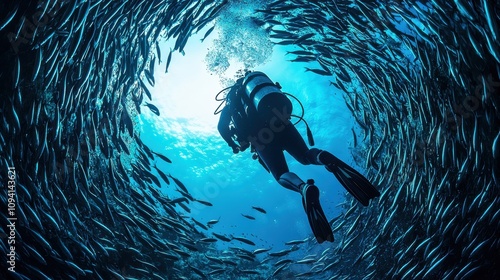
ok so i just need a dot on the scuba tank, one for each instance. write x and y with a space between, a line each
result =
265 96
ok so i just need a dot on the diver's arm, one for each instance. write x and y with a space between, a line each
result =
223 127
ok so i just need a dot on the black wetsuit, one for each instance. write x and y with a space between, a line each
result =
234 110
269 138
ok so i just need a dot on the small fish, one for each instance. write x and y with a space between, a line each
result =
259 209
281 253
496 147
181 252
168 256
169 58
222 237
306 261
248 217
208 33
75 268
204 202
179 183
213 222
179 200
354 137
208 240
152 68
244 240
162 175
105 228
214 259
158 52
318 71
295 242
286 42
146 90
162 157
38 63
246 257
197 271
16 72
490 18
354 224
185 194
199 224
190 246
303 59
279 269
153 108
303 38
150 77
217 271
300 52
260 250
184 207
226 261
280 262
9 17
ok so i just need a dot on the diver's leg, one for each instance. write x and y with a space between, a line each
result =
351 179
274 159
297 147
291 141
310 200
313 156
294 144
291 181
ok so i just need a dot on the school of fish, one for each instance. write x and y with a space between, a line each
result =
421 78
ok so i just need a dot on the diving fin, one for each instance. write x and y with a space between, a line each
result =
317 220
355 183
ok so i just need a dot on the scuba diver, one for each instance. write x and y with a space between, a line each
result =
257 115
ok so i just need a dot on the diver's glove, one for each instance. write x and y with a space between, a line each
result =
244 146
236 149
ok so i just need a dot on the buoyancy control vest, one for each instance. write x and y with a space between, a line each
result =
258 99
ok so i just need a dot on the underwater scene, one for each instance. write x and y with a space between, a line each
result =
286 139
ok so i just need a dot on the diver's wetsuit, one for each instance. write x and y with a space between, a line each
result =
291 141
269 141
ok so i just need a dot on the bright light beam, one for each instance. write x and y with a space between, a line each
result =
185 95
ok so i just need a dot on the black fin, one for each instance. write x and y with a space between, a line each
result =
355 183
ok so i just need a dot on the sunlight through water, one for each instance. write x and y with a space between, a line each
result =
185 95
